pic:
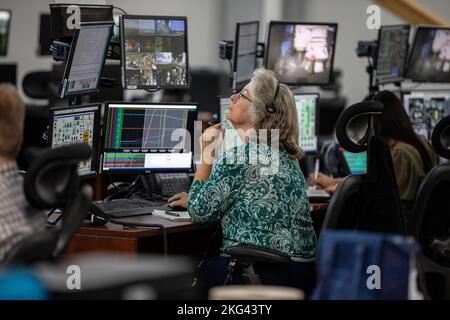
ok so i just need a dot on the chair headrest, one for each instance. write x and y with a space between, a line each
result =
51 174
37 84
352 127
440 137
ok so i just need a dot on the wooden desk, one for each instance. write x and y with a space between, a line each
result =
183 237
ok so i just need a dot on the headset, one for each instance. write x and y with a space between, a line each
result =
271 107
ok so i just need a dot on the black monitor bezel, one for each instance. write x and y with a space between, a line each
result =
236 83
62 88
277 22
387 79
123 58
413 46
8 32
95 139
190 128
316 122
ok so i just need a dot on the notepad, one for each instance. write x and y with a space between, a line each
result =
172 215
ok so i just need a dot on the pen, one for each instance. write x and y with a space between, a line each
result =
316 168
171 213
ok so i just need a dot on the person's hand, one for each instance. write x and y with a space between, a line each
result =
210 141
179 200
322 181
331 189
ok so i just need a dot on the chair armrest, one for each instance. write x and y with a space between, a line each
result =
248 254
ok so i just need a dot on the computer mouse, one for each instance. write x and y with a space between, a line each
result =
176 208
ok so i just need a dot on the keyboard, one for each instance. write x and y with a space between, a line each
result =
119 208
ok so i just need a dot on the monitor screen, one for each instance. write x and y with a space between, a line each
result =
45 40
77 124
245 47
301 53
224 104
8 73
154 52
392 52
5 22
87 56
356 162
144 137
425 109
430 55
307 109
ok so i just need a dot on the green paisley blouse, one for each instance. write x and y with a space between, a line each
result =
258 193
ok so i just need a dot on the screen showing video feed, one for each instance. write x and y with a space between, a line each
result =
430 55
301 54
392 52
5 17
246 45
154 52
426 109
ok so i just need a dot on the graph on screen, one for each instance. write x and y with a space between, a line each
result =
140 128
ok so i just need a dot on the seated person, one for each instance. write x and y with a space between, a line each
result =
14 222
259 201
412 155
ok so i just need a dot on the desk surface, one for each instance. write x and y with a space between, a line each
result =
115 230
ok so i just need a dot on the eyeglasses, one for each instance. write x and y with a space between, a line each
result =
243 96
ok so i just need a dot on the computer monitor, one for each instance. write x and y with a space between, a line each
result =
426 108
77 124
45 39
301 53
114 46
356 162
224 104
5 21
307 112
430 55
393 43
83 70
245 47
154 52
8 73
148 137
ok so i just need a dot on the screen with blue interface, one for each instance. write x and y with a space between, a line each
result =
76 124
306 105
356 162
148 137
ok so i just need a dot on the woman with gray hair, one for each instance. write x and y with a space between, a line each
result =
257 191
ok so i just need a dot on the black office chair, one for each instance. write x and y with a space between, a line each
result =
37 85
369 201
52 182
430 221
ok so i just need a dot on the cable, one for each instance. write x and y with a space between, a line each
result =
205 253
145 225
123 11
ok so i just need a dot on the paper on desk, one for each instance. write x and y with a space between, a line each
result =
183 215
